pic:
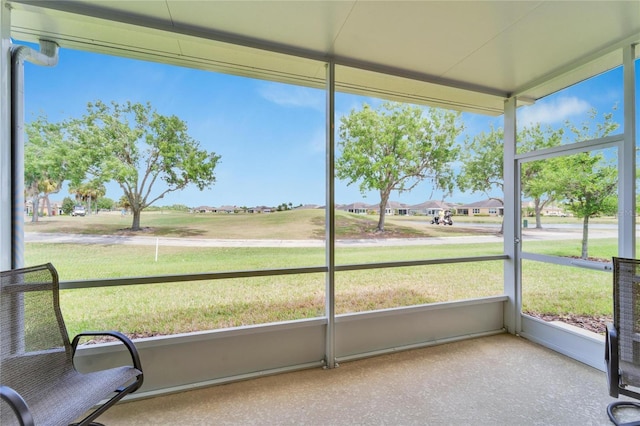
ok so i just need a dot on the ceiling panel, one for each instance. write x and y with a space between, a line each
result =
425 38
545 40
470 55
309 25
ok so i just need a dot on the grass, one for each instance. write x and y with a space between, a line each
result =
183 307
291 224
142 310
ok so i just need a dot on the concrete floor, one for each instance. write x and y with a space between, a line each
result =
498 380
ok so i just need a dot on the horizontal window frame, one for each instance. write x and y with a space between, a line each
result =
163 279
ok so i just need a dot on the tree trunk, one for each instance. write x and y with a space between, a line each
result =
135 226
585 237
35 204
538 210
48 203
383 210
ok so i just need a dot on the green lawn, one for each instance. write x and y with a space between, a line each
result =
292 224
190 306
182 307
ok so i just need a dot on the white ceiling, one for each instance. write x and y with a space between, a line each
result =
463 55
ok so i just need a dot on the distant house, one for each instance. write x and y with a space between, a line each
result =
429 208
357 208
553 210
227 209
56 207
205 209
396 208
393 208
481 208
547 210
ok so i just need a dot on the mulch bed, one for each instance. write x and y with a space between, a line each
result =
594 324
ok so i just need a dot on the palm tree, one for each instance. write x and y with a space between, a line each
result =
87 192
47 187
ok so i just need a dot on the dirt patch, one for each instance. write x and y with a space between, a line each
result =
592 259
595 324
130 232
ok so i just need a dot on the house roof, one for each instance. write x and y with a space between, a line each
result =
490 203
396 205
431 204
467 55
357 205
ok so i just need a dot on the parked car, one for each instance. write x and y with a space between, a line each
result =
78 211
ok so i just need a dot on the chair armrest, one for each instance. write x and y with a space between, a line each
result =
17 404
135 357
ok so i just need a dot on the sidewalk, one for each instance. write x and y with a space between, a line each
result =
528 235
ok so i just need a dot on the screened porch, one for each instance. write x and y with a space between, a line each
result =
476 355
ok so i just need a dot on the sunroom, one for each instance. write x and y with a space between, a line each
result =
483 59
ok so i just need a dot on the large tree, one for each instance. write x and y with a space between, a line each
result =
139 149
395 147
483 159
587 181
483 165
45 162
534 182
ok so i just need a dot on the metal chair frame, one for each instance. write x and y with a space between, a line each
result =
38 378
622 341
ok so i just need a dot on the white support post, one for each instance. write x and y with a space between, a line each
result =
5 136
627 162
330 353
511 220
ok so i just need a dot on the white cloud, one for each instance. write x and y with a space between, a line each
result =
552 112
293 96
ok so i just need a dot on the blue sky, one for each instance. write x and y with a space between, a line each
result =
270 136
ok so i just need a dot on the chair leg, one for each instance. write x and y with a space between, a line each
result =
622 404
611 359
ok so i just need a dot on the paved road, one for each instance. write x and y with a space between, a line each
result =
528 235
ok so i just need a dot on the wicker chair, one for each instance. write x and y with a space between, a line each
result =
622 348
37 376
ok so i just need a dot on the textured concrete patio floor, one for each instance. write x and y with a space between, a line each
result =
498 380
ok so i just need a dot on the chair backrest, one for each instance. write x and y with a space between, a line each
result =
626 317
33 335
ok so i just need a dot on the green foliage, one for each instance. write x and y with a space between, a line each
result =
172 207
482 158
284 207
534 183
137 148
45 160
67 205
542 181
396 147
124 202
88 192
105 203
587 181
